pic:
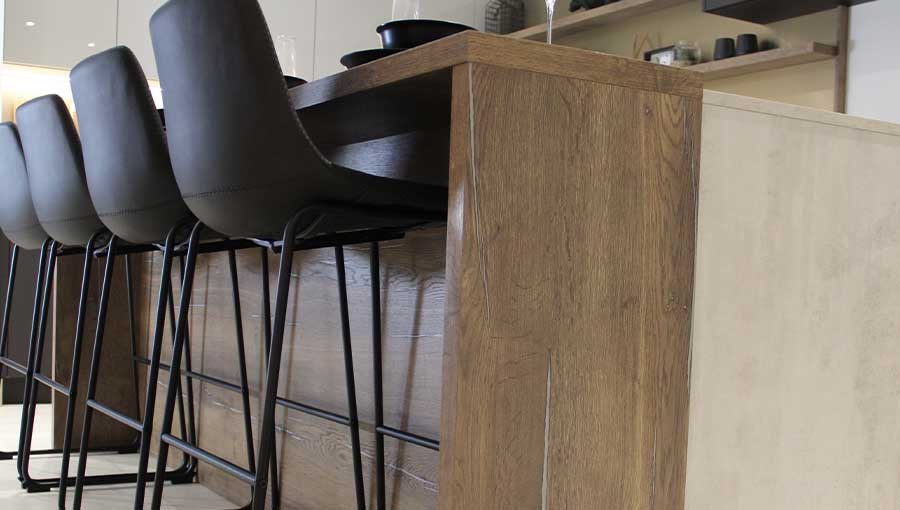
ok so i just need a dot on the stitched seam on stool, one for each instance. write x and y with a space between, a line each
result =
123 212
235 189
21 229
70 220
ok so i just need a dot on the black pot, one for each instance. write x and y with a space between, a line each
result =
358 58
409 33
724 48
746 44
588 4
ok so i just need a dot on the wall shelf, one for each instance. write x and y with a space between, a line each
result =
766 60
770 11
598 16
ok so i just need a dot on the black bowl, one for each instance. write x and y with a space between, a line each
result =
293 81
358 58
409 33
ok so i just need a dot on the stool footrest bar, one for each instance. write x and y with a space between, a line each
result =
190 374
212 380
232 469
314 411
116 415
43 379
13 364
409 438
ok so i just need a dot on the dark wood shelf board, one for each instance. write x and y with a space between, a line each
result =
766 60
598 16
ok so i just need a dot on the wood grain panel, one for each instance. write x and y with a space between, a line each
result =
315 455
115 386
568 318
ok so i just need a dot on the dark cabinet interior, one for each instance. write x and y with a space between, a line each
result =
769 11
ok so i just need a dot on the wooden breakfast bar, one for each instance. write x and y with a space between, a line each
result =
569 262
544 336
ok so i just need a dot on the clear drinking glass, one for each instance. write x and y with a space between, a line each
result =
286 49
406 9
551 8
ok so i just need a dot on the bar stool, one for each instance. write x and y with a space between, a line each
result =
56 178
20 225
130 179
246 168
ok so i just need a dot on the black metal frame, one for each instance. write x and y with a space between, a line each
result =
70 391
296 237
31 370
4 332
187 471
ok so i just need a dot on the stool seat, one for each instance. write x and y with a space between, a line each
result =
18 220
129 173
243 161
56 171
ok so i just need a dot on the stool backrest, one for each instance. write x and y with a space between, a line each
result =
56 170
230 124
129 174
18 220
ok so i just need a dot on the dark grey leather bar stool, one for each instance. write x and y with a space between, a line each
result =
20 225
132 185
56 182
63 206
246 168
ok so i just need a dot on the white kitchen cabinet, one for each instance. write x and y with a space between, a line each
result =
297 19
343 26
457 11
55 33
134 31
323 31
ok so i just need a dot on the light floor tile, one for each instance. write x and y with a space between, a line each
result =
110 497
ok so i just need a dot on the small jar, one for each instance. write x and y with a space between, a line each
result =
687 53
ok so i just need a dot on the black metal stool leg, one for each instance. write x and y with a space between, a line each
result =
183 422
375 283
95 369
189 388
165 298
175 369
135 366
351 379
273 371
28 414
35 319
267 339
242 361
7 308
76 368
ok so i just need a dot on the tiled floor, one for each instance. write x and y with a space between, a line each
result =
113 497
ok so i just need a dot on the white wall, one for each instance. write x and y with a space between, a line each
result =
324 30
873 84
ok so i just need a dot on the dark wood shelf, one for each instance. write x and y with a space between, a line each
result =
598 16
770 11
766 60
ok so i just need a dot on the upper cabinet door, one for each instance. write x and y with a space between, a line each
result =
295 20
56 33
134 31
344 26
292 18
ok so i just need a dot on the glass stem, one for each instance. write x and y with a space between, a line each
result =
551 7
